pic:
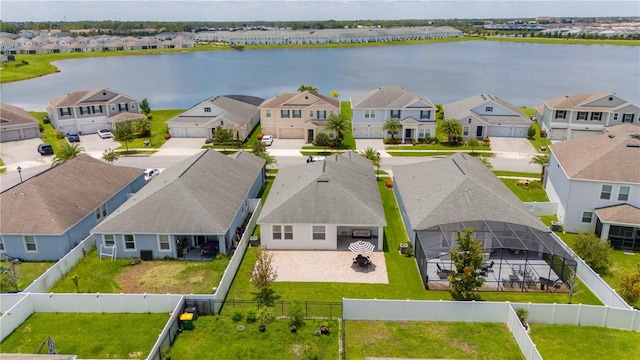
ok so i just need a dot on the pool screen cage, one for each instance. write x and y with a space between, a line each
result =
502 242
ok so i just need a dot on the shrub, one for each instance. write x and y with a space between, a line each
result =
388 183
264 315
236 315
46 120
260 136
522 314
59 135
321 139
167 136
296 315
594 252
251 316
531 132
543 133
41 127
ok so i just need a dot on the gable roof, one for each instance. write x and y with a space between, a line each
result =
288 99
582 102
464 109
605 157
200 195
13 115
457 189
238 109
390 97
342 189
56 199
621 214
81 97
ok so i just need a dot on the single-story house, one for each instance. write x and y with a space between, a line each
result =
45 216
205 198
323 205
17 124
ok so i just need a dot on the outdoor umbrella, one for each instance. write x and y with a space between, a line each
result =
361 247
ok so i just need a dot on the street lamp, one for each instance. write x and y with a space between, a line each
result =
377 164
20 172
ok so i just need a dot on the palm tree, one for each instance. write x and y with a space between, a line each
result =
542 160
392 125
485 161
338 124
304 88
450 128
67 152
334 95
110 156
237 128
373 155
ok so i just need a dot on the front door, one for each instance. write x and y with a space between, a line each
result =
479 131
310 135
200 239
408 134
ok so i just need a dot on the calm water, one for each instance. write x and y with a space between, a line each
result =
523 74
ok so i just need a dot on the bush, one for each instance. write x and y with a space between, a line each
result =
522 314
457 139
321 139
296 315
388 183
236 316
264 315
260 136
391 141
46 120
41 127
167 136
594 252
543 134
531 132
251 316
59 135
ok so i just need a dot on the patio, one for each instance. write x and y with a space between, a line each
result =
328 266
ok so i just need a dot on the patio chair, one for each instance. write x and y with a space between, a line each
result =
487 267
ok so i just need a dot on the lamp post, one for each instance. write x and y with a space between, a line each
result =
377 164
20 172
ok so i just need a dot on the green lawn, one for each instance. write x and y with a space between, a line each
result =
348 142
27 273
537 142
516 174
217 337
559 342
416 154
439 146
90 336
534 192
49 133
429 340
158 128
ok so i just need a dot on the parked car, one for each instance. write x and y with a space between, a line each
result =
45 149
209 248
73 137
150 174
315 158
267 140
104 134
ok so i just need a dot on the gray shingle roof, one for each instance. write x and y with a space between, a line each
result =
462 109
286 99
200 195
238 110
388 97
339 190
621 214
13 115
458 188
56 199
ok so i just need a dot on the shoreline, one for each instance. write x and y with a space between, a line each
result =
42 64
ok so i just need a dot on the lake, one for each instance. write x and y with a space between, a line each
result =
523 74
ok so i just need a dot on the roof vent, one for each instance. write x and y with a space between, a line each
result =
611 136
323 179
634 145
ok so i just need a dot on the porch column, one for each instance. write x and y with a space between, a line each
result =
604 234
380 245
222 241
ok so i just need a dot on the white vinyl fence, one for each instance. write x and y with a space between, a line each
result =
542 208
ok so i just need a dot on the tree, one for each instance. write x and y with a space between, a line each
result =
531 132
237 128
450 128
260 149
542 160
110 156
474 143
485 161
124 132
144 107
67 152
334 95
594 251
143 128
393 126
10 278
373 155
467 259
222 136
338 124
263 275
304 88
630 287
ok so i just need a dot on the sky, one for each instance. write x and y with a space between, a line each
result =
300 10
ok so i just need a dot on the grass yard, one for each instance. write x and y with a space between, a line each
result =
347 136
559 342
429 340
440 146
48 135
534 192
277 342
158 276
90 336
27 273
517 174
158 128
423 153
537 142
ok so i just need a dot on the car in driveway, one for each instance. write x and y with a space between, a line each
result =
73 137
150 174
104 133
267 140
45 149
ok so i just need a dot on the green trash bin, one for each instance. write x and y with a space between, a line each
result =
187 321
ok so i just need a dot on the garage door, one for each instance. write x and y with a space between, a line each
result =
31 133
520 132
176 131
91 128
579 134
195 132
558 134
499 131
9 135
367 133
292 133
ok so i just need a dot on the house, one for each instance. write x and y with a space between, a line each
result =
584 115
235 112
17 124
86 112
205 198
45 216
486 115
323 205
596 182
297 115
370 110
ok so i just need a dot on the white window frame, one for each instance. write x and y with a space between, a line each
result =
267 113
97 109
628 118
488 109
318 232
109 239
590 217
425 114
322 114
596 116
65 111
101 212
615 116
113 107
297 114
582 115
624 196
285 112
2 249
276 229
311 113
25 239
607 193
124 241
465 131
207 109
395 114
561 114
369 113
161 242
287 232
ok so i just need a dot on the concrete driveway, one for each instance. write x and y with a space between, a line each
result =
23 153
94 145
181 147
512 148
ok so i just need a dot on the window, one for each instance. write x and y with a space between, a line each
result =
628 118
319 233
221 122
284 114
427 133
277 232
322 114
108 240
587 216
561 114
425 114
267 113
65 111
615 116
85 110
163 243
113 107
129 242
605 193
465 131
101 212
30 243
370 113
123 107
97 109
582 115
297 114
596 116
1 244
207 109
488 109
288 232
395 114
133 105
311 113
623 194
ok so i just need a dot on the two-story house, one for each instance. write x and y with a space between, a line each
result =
487 115
596 182
235 112
370 110
297 115
584 115
86 112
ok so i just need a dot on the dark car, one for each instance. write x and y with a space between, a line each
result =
210 248
45 149
73 137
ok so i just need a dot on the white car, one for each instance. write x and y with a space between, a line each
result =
267 140
104 134
150 174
